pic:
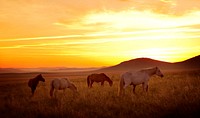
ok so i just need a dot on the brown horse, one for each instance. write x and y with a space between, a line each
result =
32 83
98 78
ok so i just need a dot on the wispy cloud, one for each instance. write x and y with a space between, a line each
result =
101 30
105 37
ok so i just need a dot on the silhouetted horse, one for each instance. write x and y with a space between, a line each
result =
98 78
32 83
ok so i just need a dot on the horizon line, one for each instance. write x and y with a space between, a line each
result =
94 67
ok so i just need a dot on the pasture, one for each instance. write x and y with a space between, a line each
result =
177 94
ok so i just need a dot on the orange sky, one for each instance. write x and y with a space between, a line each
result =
95 33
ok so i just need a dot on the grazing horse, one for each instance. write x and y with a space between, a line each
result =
32 83
136 78
61 84
98 78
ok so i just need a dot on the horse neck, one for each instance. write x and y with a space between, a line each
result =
36 79
68 83
108 80
151 71
71 86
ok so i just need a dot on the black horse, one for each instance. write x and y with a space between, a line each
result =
32 83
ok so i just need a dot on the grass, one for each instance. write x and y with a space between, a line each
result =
176 95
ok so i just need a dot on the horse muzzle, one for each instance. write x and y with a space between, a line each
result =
162 76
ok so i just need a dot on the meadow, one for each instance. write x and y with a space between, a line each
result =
175 95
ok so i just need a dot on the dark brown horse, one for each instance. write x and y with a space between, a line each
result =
32 83
98 78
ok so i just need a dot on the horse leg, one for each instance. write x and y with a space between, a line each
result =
147 87
143 86
134 88
123 89
33 90
51 92
102 83
91 84
55 93
125 86
64 93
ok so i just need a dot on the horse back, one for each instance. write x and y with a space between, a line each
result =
135 78
59 84
140 77
97 77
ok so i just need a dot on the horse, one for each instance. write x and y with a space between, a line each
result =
32 83
61 84
98 78
136 78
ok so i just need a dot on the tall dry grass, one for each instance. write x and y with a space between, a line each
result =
176 95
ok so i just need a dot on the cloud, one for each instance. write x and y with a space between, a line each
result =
170 7
22 18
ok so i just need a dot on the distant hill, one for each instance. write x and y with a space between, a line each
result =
10 70
192 63
139 63
45 70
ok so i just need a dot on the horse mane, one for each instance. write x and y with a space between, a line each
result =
67 80
150 70
107 78
70 84
37 76
103 74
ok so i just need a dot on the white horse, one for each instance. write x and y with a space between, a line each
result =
61 84
136 78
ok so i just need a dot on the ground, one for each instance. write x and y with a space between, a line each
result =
175 95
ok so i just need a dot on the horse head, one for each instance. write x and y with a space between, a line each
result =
111 83
108 79
158 72
40 78
72 87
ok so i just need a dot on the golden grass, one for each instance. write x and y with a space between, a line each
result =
176 95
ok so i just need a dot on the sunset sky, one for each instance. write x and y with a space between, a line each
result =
96 33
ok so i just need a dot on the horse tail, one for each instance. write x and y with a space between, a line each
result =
88 81
121 85
52 88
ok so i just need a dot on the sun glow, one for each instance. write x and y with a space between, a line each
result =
93 37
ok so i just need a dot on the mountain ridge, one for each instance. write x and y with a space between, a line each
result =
138 63
133 64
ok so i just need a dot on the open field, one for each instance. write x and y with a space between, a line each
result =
175 95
